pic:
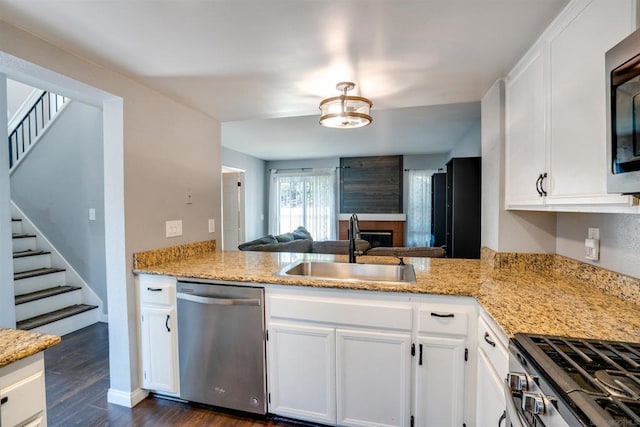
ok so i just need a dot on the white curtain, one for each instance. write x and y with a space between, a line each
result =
304 198
419 208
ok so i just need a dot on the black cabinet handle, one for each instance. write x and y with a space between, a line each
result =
4 400
420 356
155 289
166 324
489 341
538 185
542 190
502 418
442 315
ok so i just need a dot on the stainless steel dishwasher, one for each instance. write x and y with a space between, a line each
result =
221 344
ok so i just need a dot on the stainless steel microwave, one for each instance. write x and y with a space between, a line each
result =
623 116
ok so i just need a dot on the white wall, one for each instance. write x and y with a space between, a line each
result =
470 144
17 93
169 149
502 230
255 190
57 183
619 240
7 307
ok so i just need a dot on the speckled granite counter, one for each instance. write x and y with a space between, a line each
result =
16 344
543 302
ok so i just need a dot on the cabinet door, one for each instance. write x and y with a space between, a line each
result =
525 153
577 166
372 378
23 400
490 400
159 349
301 365
440 375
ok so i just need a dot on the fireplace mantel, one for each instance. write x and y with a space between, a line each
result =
374 217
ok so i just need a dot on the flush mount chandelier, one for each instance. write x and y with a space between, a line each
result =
345 111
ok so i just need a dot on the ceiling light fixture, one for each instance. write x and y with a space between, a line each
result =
345 111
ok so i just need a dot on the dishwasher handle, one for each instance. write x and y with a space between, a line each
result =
218 301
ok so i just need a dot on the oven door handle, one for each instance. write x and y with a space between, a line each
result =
513 416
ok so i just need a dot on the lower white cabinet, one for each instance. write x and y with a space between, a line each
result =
158 333
490 403
22 393
373 377
301 360
492 368
440 381
367 359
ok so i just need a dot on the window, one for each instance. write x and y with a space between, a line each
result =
419 208
303 198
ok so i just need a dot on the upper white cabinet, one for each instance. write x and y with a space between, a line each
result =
526 126
555 112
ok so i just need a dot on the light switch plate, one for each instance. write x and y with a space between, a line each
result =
173 228
212 225
92 214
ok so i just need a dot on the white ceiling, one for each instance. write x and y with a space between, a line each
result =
246 60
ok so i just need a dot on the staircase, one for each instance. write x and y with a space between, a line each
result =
50 297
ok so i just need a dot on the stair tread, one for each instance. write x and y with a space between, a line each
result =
63 313
45 293
22 235
36 272
29 252
15 219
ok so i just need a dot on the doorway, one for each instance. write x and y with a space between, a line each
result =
233 215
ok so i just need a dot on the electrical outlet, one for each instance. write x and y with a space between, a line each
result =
173 228
212 225
592 244
189 198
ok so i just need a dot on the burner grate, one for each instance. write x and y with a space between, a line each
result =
607 372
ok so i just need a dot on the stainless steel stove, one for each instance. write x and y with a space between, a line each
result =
558 381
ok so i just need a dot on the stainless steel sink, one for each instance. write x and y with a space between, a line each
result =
386 273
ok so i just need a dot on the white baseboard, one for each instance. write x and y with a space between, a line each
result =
127 399
104 318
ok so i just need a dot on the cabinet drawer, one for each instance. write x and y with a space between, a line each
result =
159 292
446 320
355 313
491 343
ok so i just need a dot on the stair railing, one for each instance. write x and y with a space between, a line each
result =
33 124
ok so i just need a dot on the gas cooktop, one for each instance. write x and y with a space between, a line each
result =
599 381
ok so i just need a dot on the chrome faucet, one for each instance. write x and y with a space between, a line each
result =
354 233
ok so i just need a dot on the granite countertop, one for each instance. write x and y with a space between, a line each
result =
16 344
541 302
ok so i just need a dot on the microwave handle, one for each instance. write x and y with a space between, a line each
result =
512 415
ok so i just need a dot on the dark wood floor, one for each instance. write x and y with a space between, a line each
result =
77 378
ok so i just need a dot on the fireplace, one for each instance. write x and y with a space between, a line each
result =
394 227
378 237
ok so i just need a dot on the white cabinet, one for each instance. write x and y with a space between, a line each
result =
22 393
493 365
158 333
526 131
373 378
302 371
490 404
555 113
339 357
442 361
